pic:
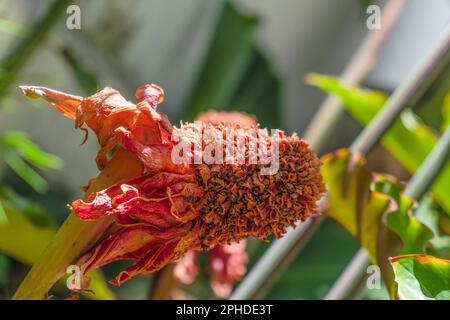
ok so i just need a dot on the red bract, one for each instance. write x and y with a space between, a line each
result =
171 208
227 264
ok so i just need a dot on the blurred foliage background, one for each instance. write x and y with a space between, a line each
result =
243 55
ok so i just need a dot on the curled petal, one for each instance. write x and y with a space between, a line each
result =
149 247
157 199
151 93
157 256
107 110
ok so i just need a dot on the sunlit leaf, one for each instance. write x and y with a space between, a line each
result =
422 277
408 139
373 209
413 233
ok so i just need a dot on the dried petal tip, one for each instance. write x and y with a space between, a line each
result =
65 103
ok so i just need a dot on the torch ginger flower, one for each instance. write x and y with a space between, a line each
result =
171 208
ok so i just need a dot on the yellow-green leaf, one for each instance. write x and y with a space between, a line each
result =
437 220
413 233
422 277
363 105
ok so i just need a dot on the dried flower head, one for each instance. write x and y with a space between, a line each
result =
172 207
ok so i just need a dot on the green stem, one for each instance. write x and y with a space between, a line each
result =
25 49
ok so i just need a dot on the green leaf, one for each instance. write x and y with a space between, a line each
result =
235 74
24 171
3 217
31 152
373 209
422 277
363 105
18 150
22 239
413 233
229 56
33 211
431 215
12 28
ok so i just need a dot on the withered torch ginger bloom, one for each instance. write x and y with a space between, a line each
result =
173 207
